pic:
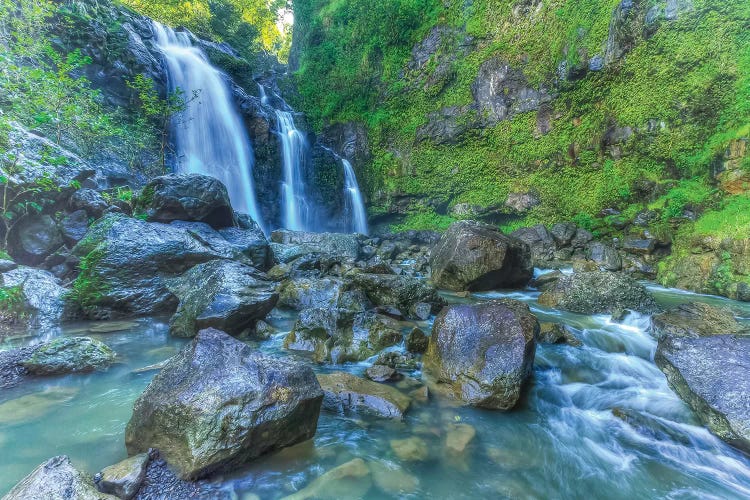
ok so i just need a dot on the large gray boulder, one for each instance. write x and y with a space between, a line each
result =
221 294
41 303
598 292
126 263
484 352
405 293
187 197
696 319
476 256
710 375
219 404
56 479
329 244
33 239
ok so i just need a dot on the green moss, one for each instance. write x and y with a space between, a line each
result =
424 220
88 287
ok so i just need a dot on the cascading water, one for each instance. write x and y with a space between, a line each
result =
210 137
354 198
294 196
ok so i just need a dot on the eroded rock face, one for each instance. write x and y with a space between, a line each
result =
218 404
56 479
346 393
475 256
188 197
598 292
696 319
483 352
710 375
221 294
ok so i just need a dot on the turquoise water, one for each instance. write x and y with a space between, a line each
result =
562 442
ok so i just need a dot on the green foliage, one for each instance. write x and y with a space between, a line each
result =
88 288
731 220
685 193
424 220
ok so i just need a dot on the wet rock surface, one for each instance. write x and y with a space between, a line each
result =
125 478
696 320
69 355
56 479
346 393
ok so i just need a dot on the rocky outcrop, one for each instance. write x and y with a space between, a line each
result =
221 294
475 256
42 304
710 375
56 479
346 393
484 352
598 292
329 244
187 197
696 319
218 404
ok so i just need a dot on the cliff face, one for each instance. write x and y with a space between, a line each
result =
527 111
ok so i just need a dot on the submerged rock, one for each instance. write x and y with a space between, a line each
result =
598 292
710 375
188 197
483 352
475 256
349 480
125 478
218 404
411 449
696 319
392 479
56 479
33 406
69 355
221 294
346 393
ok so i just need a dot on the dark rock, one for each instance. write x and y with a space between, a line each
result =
346 393
42 305
252 243
221 294
422 310
625 29
330 244
218 404
187 197
605 256
554 333
540 242
522 202
7 265
446 125
160 479
69 355
639 246
598 292
382 373
417 341
125 478
696 319
547 280
90 201
405 293
397 360
563 233
581 239
33 239
710 375
483 352
474 256
12 371
56 479
73 227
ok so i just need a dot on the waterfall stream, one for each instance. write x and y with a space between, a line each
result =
294 152
209 136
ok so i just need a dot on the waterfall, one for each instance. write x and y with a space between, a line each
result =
294 152
354 198
209 136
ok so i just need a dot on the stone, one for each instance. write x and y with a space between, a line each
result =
187 197
411 449
56 479
73 227
33 239
252 243
710 375
554 333
598 292
221 294
42 297
417 341
563 233
329 244
696 319
522 202
392 479
69 355
219 404
125 478
404 293
540 242
381 373
458 437
645 246
605 256
395 359
349 480
475 256
346 393
90 201
305 293
483 352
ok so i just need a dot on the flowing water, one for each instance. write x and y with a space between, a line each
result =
294 150
564 441
355 203
209 135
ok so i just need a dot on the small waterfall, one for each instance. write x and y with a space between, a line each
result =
354 199
294 151
210 137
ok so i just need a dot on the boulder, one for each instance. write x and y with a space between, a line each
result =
74 226
563 233
329 244
696 319
187 197
218 404
346 393
381 373
411 449
417 341
598 292
221 294
405 293
554 333
125 478
605 256
33 239
540 241
710 375
56 479
349 480
252 243
90 201
304 293
483 352
42 298
475 256
69 355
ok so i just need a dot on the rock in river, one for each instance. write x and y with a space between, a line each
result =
405 293
598 292
696 319
218 404
69 355
710 375
475 256
125 478
221 294
56 479
349 480
347 393
483 352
